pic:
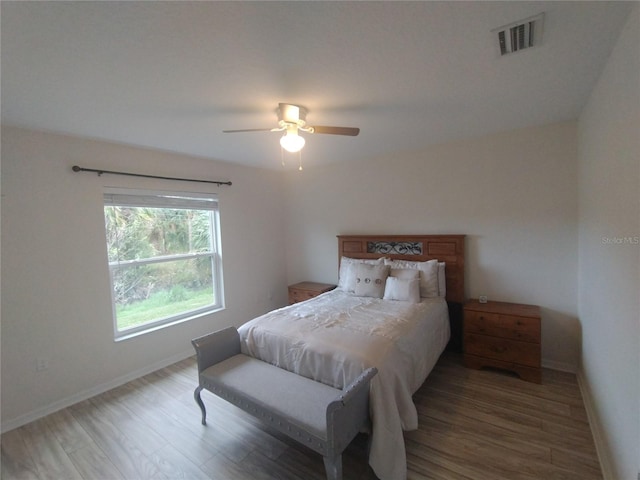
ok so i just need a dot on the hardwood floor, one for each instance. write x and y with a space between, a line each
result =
474 425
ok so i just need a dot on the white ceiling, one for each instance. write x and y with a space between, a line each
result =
173 75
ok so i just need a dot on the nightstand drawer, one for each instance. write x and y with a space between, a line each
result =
296 296
506 326
522 353
306 290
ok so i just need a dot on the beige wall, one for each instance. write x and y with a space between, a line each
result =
513 194
609 255
55 282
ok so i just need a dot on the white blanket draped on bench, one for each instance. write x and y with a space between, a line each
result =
334 337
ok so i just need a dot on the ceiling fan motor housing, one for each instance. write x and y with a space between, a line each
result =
293 118
292 114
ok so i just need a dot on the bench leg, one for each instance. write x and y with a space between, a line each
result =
196 395
333 466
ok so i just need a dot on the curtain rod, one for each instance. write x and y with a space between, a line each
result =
76 168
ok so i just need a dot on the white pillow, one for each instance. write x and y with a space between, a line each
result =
347 273
442 280
428 274
370 280
405 273
403 289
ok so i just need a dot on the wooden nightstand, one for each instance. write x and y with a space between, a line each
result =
503 335
306 290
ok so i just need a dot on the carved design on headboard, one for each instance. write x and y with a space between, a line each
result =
400 248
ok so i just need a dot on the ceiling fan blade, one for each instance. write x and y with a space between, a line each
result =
349 131
249 130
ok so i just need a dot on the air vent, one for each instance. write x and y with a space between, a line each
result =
519 35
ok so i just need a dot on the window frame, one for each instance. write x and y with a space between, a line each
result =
176 201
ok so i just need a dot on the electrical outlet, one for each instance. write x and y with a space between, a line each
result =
42 364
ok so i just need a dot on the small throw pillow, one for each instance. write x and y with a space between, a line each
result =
428 274
403 289
347 274
370 280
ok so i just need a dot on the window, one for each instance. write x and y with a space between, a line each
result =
164 258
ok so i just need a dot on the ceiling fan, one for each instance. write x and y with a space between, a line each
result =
292 120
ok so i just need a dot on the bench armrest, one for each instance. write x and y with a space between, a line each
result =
359 384
216 347
348 413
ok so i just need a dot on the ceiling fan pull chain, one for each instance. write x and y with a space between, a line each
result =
282 155
300 160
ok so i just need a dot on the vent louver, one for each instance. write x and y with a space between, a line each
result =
520 35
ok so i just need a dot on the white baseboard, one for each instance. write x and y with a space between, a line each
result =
92 392
596 429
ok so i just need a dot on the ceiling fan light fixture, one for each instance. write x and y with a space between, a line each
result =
292 121
292 142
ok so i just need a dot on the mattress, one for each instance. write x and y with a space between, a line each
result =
335 336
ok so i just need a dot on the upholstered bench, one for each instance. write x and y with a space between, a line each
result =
323 418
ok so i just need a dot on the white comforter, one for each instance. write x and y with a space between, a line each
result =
332 338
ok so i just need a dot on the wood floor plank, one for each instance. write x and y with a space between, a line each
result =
92 462
473 425
500 440
48 455
483 389
548 389
176 431
220 467
300 463
67 430
260 466
175 465
218 439
16 462
587 465
131 462
255 433
530 431
510 464
451 460
540 411
136 430
422 469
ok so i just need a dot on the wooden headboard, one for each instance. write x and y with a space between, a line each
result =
420 248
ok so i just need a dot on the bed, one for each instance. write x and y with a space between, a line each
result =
399 322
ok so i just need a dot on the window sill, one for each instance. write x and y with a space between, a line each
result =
126 336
